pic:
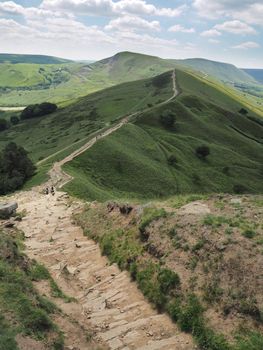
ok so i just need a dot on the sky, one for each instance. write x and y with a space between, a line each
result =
222 30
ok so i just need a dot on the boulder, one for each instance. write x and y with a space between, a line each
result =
7 209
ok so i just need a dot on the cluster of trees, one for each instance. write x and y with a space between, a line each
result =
38 110
4 123
15 168
30 111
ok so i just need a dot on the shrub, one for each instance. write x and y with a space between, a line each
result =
226 170
167 119
249 233
3 124
172 160
15 168
239 189
243 111
202 151
191 315
168 280
14 120
174 310
147 282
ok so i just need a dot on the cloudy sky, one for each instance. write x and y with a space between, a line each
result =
223 30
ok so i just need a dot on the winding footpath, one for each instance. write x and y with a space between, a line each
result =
108 305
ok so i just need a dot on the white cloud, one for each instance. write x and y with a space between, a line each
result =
179 28
235 27
12 8
247 45
111 8
213 41
250 11
131 23
210 33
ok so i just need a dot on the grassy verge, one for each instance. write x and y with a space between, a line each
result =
23 310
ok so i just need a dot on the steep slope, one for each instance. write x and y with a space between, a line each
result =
148 160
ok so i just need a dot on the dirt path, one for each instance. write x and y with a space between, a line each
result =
11 109
59 178
107 303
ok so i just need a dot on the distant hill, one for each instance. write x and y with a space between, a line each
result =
126 64
56 80
36 59
257 74
223 71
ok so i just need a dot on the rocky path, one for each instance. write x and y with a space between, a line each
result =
108 303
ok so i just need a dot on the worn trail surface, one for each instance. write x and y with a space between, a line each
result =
107 302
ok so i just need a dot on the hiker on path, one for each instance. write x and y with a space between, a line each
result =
46 190
52 190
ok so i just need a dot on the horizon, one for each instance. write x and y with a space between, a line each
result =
132 52
229 32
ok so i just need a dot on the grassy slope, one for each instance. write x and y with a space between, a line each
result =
30 84
23 310
133 162
46 135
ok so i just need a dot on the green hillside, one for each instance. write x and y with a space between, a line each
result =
34 79
222 71
147 160
73 124
35 59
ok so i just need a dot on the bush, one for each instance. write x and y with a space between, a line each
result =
239 189
172 160
167 119
3 124
168 280
14 120
249 233
243 111
202 151
38 110
191 315
15 168
146 279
